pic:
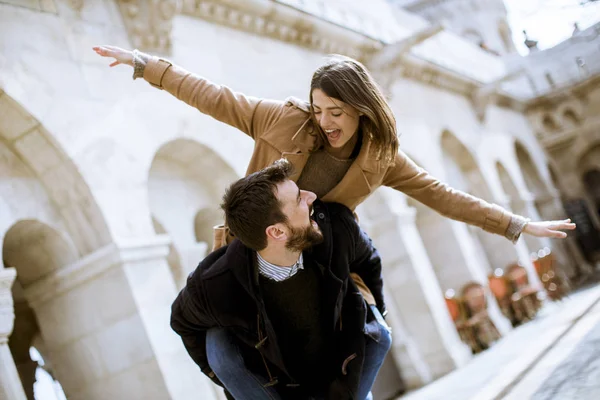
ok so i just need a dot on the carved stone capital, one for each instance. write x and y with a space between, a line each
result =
7 312
284 23
149 23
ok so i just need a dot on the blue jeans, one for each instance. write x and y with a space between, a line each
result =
375 353
225 359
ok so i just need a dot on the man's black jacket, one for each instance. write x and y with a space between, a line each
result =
223 292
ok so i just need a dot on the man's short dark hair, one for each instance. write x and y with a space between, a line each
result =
251 204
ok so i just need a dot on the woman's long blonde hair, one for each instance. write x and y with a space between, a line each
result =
347 80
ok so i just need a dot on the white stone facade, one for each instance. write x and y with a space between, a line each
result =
109 187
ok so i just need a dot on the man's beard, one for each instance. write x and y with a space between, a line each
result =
303 238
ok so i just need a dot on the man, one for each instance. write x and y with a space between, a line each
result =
275 314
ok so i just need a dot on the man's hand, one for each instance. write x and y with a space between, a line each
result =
120 55
551 229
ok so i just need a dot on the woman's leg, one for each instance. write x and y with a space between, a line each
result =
225 359
375 353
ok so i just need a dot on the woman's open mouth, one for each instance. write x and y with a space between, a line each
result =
333 134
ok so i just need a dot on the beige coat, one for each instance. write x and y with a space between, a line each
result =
285 129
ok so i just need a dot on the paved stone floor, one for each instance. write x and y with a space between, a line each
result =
577 377
518 366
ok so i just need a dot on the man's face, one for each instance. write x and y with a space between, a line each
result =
302 232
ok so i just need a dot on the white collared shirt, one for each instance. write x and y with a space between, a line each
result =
277 273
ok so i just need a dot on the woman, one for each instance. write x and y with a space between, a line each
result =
343 144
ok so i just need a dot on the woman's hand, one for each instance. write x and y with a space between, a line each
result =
121 56
551 229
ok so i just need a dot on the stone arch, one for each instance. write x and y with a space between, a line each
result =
508 185
533 178
35 250
543 201
185 177
515 202
173 258
465 174
29 140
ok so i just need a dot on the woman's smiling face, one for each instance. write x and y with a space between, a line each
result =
338 120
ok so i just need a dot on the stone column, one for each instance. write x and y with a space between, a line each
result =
426 344
105 321
154 290
10 384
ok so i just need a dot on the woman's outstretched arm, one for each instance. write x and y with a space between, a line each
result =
417 183
249 114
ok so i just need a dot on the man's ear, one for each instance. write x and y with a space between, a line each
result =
276 232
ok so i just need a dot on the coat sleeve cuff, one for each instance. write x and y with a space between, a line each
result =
497 220
139 63
155 69
515 228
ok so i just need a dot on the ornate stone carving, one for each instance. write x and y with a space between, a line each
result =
149 23
294 27
7 312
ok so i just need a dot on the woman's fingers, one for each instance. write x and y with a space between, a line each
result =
556 228
109 51
557 234
553 229
103 51
120 55
563 225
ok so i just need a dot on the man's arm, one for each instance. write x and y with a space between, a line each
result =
364 260
190 320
